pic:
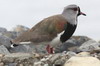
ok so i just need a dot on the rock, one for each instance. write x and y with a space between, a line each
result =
38 64
60 61
8 59
10 34
1 64
46 64
20 29
54 57
82 61
12 64
3 50
20 56
72 44
89 46
40 48
21 65
70 54
2 30
16 31
4 40
1 55
81 39
83 54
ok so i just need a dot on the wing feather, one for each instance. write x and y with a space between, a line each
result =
45 30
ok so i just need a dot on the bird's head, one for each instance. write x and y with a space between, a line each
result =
73 10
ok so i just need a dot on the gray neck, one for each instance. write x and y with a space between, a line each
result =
70 16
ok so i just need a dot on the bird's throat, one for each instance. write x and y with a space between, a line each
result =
69 30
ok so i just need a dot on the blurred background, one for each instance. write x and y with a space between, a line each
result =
30 12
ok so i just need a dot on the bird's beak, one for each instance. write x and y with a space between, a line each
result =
81 13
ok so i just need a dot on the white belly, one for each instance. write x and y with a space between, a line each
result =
56 41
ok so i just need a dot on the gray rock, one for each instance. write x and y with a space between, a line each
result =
12 64
2 30
54 58
61 60
4 40
83 54
40 48
72 44
3 50
10 34
20 56
89 46
20 29
81 39
8 59
70 54
1 64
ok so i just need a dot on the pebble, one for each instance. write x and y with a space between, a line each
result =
21 65
83 54
1 64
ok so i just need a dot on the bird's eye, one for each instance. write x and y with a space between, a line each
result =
75 9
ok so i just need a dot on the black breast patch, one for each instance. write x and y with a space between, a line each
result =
70 29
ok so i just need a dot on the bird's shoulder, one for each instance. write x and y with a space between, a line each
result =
55 23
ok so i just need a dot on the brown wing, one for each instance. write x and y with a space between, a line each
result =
45 30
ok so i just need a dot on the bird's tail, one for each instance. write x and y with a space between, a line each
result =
13 45
21 43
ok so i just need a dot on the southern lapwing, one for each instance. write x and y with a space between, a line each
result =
52 30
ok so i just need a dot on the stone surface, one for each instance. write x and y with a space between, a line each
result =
18 55
61 60
12 64
20 29
83 54
82 61
58 59
10 34
72 44
89 46
1 64
3 50
54 58
2 30
70 54
1 55
4 40
78 50
8 59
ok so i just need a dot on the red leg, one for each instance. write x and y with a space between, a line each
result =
50 49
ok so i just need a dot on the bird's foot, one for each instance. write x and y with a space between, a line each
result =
50 49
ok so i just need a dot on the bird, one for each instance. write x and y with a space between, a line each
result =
53 29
